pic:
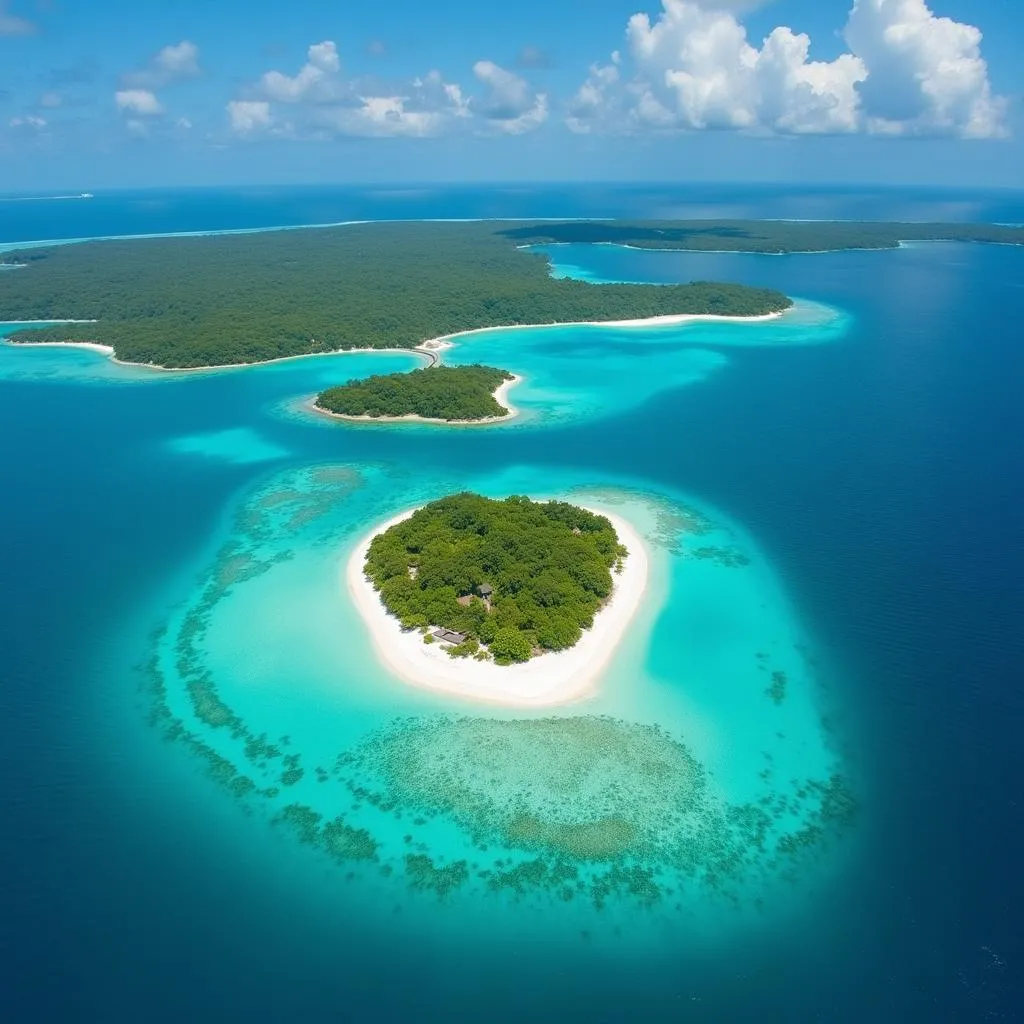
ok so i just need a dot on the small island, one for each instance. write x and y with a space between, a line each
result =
515 601
447 394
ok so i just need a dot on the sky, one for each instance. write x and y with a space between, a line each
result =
101 94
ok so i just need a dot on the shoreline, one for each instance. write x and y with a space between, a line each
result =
500 394
667 319
550 680
429 349
108 351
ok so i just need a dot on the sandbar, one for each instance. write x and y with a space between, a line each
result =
562 677
669 319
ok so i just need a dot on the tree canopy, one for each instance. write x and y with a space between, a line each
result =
530 575
218 299
436 392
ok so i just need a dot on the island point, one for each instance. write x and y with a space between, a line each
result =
513 601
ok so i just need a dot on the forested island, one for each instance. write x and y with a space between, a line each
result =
464 393
765 236
496 579
228 299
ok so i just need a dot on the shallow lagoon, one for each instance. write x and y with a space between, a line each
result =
267 672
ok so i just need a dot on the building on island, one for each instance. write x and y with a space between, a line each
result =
448 636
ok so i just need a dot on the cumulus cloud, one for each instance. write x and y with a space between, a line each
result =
12 25
141 102
171 64
384 115
316 79
926 73
509 103
693 67
320 102
249 116
598 99
698 70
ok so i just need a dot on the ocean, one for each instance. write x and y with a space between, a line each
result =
831 502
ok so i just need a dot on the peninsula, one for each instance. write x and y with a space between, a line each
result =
758 236
218 300
447 394
515 601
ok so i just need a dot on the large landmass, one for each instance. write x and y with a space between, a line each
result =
767 236
436 393
226 299
516 576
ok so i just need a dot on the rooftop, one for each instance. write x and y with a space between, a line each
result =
448 636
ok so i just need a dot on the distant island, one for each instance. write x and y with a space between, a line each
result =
760 236
503 580
449 393
229 299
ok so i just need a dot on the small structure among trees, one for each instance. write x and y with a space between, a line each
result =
448 636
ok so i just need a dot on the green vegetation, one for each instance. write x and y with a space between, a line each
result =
530 575
436 393
219 299
761 235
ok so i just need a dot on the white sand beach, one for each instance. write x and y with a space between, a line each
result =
108 351
500 396
92 346
431 349
446 340
551 679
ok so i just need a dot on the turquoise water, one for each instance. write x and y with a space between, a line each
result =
849 508
611 369
269 647
684 799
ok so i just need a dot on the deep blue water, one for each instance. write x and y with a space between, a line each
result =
883 474
198 209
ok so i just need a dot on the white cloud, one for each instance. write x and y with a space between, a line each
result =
29 121
597 99
509 104
693 67
315 80
171 64
138 101
178 61
319 102
12 25
50 100
698 70
386 115
926 74
249 116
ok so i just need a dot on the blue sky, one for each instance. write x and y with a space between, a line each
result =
122 93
